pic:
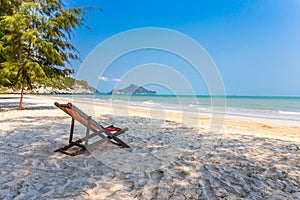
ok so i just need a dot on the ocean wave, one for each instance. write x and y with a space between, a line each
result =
202 108
148 102
288 112
271 109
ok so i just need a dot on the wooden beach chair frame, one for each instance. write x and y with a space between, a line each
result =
106 133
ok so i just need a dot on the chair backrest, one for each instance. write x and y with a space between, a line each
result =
80 116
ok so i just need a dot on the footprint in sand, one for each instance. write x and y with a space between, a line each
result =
151 189
156 176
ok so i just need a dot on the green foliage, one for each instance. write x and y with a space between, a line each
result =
34 41
7 6
62 82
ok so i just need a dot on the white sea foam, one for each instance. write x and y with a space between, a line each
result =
148 102
288 113
202 108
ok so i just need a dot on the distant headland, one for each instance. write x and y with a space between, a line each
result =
132 89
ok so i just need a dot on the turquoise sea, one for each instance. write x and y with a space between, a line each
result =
285 108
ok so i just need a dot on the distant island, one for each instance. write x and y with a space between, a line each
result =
132 89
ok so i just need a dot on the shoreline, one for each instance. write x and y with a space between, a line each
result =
167 159
257 126
261 127
255 113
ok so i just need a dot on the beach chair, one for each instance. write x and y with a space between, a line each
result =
109 133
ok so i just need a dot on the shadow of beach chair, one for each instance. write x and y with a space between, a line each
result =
109 133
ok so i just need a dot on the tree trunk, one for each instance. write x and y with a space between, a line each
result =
21 98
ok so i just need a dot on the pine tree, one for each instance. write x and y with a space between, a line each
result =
35 40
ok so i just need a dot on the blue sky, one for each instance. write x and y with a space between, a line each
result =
255 44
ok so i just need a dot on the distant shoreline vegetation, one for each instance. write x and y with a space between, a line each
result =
57 85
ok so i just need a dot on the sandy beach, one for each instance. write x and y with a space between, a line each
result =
169 158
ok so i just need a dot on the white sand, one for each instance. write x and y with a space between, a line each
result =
252 159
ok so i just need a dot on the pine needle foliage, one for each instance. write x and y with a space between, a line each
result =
35 41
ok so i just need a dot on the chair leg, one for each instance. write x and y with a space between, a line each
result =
88 131
113 136
72 130
65 148
119 142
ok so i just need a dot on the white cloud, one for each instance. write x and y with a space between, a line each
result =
116 79
103 78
